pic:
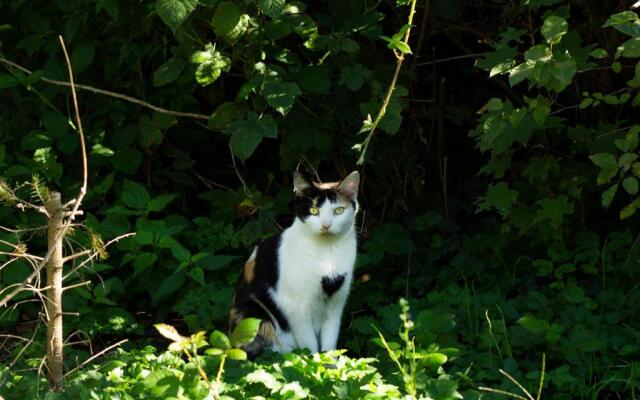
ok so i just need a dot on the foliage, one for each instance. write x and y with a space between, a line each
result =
499 199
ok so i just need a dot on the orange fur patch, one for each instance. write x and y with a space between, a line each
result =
326 185
249 270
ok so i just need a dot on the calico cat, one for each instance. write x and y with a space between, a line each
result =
297 282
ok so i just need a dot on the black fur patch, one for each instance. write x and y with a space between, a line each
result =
265 278
330 285
304 201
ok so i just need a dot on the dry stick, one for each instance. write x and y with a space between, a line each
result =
392 86
92 256
109 93
83 189
93 357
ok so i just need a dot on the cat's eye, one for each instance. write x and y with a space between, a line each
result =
314 211
338 210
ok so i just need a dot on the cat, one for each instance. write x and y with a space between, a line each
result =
297 282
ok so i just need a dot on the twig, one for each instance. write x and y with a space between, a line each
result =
95 253
392 86
78 254
109 93
247 192
504 392
442 60
93 357
512 379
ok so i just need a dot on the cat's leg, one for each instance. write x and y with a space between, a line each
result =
303 333
332 317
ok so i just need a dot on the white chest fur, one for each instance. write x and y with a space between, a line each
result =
304 260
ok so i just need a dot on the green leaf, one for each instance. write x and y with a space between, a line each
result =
219 340
630 209
224 114
175 12
169 285
247 134
533 324
245 332
82 57
197 274
630 184
142 262
608 166
554 210
630 48
608 195
168 72
500 197
212 64
354 76
540 52
160 202
236 354
553 29
271 8
281 95
564 72
229 21
520 73
598 53
134 195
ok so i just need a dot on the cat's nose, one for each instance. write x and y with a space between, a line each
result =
326 226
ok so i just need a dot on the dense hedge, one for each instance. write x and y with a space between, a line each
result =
498 194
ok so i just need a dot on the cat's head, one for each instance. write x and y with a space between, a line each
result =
327 209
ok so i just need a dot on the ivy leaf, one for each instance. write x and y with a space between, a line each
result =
281 95
175 12
500 197
553 29
168 72
244 332
607 164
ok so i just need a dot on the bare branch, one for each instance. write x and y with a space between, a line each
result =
109 93
85 283
95 253
78 254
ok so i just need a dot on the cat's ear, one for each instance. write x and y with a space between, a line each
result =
349 185
300 183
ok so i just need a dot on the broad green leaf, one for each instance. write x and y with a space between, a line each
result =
626 160
224 114
236 354
608 166
212 64
142 262
229 21
160 202
432 360
169 285
281 95
608 195
554 209
8 81
520 73
500 197
564 72
354 76
539 52
630 48
630 209
265 378
271 8
197 274
134 195
168 72
553 29
175 12
244 332
630 184
598 53
247 134
219 340
82 56
533 324
495 104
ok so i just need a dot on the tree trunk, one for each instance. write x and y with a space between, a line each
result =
54 293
